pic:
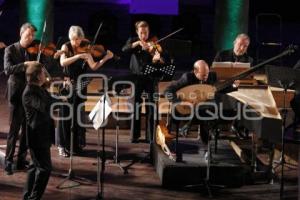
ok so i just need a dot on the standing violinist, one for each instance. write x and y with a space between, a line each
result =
142 53
75 63
15 60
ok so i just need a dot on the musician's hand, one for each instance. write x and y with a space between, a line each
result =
84 56
156 57
236 83
2 45
63 98
144 45
109 54
58 54
67 83
26 63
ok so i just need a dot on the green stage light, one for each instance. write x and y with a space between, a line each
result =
36 14
234 11
231 20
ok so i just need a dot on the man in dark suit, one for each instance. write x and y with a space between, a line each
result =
39 131
140 50
238 53
199 75
15 58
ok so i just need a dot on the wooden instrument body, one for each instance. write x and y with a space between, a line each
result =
193 95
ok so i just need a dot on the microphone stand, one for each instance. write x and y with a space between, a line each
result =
71 175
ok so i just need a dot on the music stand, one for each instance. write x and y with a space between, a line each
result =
158 72
99 120
118 87
285 78
212 127
74 180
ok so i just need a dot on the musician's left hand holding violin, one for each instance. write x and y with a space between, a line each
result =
2 45
157 58
95 65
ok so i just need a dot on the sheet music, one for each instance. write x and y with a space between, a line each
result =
96 115
230 65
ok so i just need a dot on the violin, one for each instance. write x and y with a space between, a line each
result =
49 50
97 50
154 46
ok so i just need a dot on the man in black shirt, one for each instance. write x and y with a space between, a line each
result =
39 131
238 53
140 50
15 59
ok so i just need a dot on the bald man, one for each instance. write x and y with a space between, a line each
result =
199 75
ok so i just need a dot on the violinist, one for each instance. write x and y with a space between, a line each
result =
75 62
48 55
16 59
143 51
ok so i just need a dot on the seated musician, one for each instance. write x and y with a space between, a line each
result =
238 53
199 75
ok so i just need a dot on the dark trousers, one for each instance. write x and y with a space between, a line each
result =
64 126
204 119
143 84
38 173
17 120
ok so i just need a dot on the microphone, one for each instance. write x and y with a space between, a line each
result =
292 48
295 47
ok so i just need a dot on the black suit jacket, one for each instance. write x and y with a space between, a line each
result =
14 58
139 57
40 126
229 56
189 78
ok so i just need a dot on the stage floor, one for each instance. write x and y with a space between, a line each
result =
142 181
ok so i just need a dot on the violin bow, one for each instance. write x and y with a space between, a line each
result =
94 40
42 38
40 48
97 33
169 35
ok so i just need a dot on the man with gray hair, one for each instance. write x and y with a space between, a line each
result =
15 60
40 131
238 53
